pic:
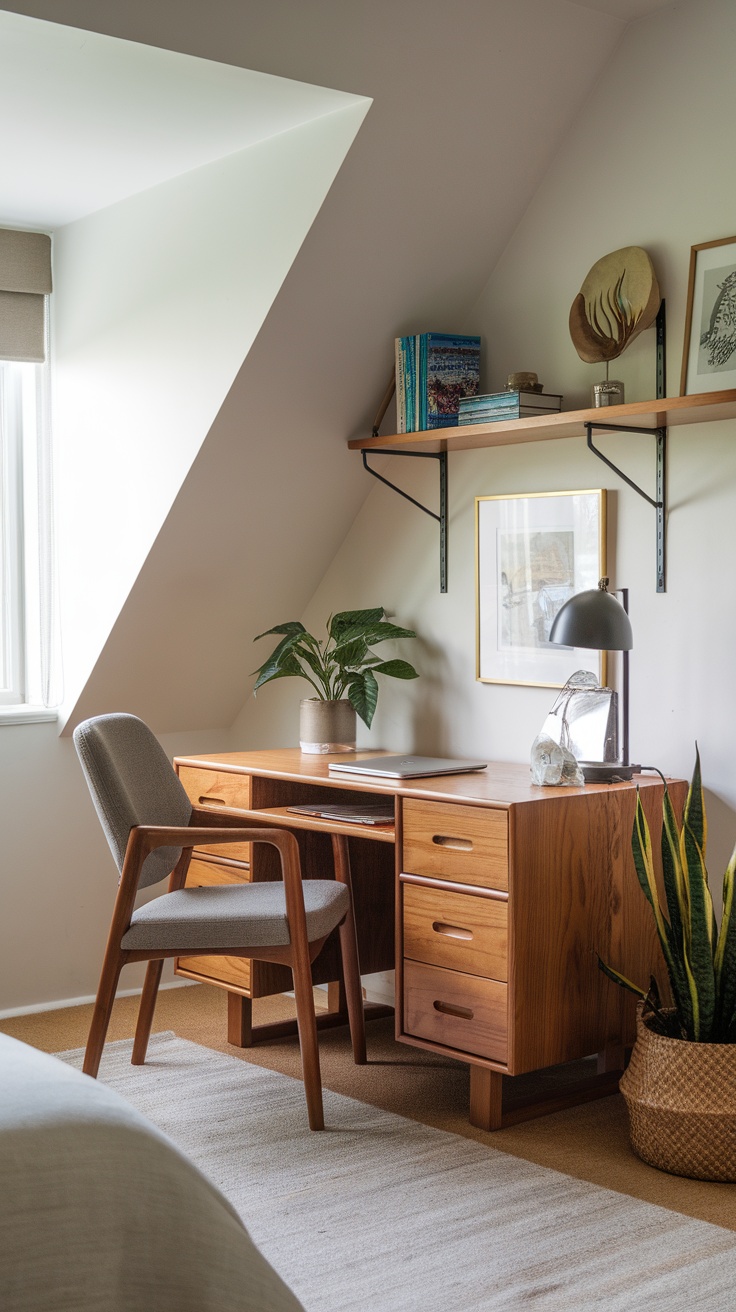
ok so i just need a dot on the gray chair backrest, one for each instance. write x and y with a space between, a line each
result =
132 782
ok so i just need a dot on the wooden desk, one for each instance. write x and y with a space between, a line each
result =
489 897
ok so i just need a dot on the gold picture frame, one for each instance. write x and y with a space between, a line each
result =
534 550
709 346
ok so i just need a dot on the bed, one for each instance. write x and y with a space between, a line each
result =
100 1212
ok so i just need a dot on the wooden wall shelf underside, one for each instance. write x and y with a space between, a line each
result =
707 407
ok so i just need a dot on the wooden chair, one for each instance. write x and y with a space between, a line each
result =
151 827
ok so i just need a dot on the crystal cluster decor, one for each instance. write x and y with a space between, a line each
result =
582 726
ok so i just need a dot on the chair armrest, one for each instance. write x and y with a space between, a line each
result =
149 837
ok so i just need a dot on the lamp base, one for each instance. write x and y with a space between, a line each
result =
604 772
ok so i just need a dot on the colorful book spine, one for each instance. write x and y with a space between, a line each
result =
400 387
449 369
406 384
410 366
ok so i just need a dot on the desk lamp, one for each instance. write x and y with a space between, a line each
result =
596 619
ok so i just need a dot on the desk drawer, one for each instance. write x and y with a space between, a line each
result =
213 788
465 844
206 874
456 930
235 971
457 1010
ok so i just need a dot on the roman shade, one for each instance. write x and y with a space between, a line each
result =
25 281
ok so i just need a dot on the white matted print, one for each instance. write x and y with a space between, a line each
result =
533 552
709 352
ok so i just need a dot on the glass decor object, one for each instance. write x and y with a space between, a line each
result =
584 719
553 766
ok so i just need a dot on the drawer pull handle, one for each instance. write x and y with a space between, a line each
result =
452 931
449 1009
212 801
457 844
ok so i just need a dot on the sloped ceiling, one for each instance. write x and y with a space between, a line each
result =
96 121
470 106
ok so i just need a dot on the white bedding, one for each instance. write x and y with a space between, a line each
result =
99 1212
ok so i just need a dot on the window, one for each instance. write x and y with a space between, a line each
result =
23 529
27 565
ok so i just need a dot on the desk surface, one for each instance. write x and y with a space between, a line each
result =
501 785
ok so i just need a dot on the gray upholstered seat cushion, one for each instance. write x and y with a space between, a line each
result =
233 916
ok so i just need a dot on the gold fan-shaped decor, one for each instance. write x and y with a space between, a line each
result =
619 298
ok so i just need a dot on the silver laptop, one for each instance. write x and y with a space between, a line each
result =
405 767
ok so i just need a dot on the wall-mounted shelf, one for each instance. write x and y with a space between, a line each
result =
650 418
704 408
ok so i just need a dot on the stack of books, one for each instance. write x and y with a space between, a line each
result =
506 405
434 371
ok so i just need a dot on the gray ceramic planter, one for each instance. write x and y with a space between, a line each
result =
326 726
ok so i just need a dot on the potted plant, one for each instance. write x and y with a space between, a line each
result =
680 1085
341 668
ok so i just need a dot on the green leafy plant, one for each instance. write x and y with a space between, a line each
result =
343 664
700 957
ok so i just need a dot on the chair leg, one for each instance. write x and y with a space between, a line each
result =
145 1011
349 953
307 1025
112 966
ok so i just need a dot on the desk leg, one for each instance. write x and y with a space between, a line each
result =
611 1058
351 989
336 1002
485 1098
239 1020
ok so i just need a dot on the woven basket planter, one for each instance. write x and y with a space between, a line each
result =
681 1100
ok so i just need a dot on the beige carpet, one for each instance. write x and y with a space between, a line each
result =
589 1142
384 1213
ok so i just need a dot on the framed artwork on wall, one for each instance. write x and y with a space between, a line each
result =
709 351
533 552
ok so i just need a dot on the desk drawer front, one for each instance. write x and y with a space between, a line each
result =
458 1010
213 788
207 874
456 930
236 971
465 844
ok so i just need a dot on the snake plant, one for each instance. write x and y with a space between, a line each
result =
700 958
341 665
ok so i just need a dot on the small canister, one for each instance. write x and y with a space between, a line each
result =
610 392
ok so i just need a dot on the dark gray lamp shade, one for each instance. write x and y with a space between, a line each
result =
593 619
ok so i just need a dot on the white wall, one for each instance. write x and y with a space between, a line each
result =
59 877
157 301
647 163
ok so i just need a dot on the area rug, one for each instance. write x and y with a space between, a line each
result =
381 1214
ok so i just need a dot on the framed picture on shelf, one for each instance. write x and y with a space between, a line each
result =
533 552
709 352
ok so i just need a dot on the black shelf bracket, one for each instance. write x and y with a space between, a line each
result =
659 500
441 518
